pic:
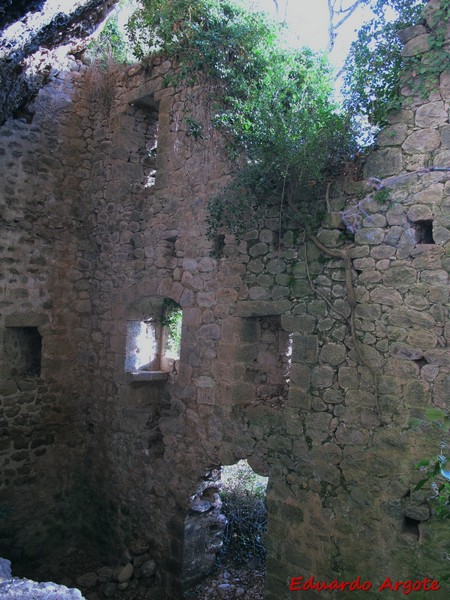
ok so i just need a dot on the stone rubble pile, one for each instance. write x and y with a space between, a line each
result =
136 574
13 588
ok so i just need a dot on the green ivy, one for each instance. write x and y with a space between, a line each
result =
374 66
375 71
273 105
110 46
423 70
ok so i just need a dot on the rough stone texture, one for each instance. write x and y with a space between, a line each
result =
28 51
13 588
103 206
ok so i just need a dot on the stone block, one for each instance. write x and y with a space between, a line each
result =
371 236
300 375
262 308
425 140
331 396
435 277
258 293
419 212
445 137
431 115
299 399
298 323
396 215
258 249
322 377
305 349
333 354
407 34
385 295
371 312
417 45
422 338
408 317
383 163
431 195
406 352
444 83
382 252
402 370
441 235
393 135
399 276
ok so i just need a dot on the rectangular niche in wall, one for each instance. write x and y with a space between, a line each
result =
23 350
271 349
146 112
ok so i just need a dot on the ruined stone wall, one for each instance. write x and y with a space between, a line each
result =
108 192
43 313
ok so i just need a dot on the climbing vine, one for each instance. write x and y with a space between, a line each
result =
423 71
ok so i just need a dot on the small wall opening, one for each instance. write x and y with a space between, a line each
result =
147 113
411 527
225 529
243 496
271 347
424 231
23 349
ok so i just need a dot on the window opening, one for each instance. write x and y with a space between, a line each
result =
424 231
150 162
153 343
142 346
23 348
411 527
243 496
147 114
171 322
225 530
270 369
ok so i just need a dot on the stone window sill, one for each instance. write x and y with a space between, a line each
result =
147 376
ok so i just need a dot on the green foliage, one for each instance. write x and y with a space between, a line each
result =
243 504
194 128
374 65
273 105
294 140
110 46
172 321
436 471
214 38
436 478
382 196
424 70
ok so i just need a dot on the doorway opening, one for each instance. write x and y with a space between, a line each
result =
243 496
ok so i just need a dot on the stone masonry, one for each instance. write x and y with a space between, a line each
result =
103 217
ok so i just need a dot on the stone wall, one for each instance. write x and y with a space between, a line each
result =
104 218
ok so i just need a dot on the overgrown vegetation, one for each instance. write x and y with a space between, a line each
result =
110 46
172 321
375 70
274 105
243 504
436 471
